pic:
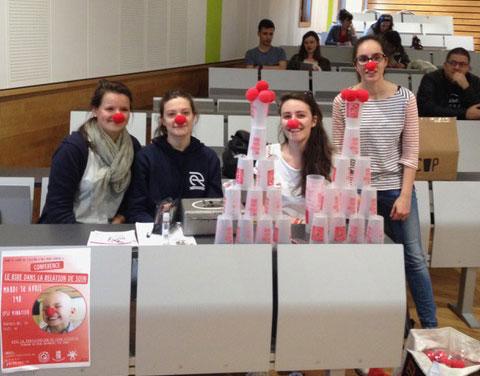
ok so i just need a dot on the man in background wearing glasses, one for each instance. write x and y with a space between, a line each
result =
451 91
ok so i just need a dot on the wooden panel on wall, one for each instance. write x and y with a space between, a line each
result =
33 120
465 13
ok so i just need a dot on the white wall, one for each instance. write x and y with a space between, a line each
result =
64 40
60 40
354 6
69 36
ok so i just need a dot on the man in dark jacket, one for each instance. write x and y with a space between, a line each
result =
452 91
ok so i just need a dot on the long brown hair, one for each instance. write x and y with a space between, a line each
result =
317 156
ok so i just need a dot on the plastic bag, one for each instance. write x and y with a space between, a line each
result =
421 341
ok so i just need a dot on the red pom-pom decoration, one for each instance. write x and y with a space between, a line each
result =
349 95
430 354
293 124
362 95
371 66
180 119
251 94
457 363
50 311
262 85
266 96
118 118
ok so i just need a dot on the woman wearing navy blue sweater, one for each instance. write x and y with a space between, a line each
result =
91 170
175 164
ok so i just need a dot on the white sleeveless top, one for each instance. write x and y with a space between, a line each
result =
92 203
289 179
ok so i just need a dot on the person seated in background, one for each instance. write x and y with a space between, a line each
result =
397 57
451 91
175 165
381 26
91 170
265 55
309 56
343 33
304 149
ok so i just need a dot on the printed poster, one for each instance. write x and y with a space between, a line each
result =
45 305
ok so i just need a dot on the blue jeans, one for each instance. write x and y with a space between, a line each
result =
408 233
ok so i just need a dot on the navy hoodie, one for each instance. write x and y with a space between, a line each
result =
160 171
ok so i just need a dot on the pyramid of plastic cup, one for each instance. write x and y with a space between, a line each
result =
262 221
345 210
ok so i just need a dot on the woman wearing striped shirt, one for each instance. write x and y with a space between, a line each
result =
389 134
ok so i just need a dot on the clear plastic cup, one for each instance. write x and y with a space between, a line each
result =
224 231
341 171
259 113
368 201
356 229
244 174
353 113
319 229
349 201
273 201
351 142
314 195
231 201
362 174
282 230
257 143
333 200
266 172
254 204
375 233
338 229
245 233
264 232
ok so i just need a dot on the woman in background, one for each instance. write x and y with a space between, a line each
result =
381 26
397 57
91 170
309 56
176 164
304 150
343 33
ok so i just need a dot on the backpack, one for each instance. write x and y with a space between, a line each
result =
238 145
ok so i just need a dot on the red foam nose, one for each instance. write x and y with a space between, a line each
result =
371 65
180 119
118 118
293 124
50 311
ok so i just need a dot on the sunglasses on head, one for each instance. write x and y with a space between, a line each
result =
364 59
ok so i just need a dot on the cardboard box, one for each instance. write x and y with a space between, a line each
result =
438 157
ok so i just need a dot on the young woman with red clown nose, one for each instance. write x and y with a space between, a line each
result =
175 165
304 149
389 135
91 170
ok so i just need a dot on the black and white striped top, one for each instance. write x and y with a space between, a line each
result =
389 135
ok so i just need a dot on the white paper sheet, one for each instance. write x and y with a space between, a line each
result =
145 236
97 238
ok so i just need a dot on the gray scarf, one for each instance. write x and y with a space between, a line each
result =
118 156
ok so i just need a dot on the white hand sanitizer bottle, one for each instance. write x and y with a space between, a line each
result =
165 226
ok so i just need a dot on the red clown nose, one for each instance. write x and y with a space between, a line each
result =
118 118
50 311
293 124
180 119
371 66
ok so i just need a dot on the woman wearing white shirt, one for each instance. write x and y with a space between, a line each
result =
304 150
